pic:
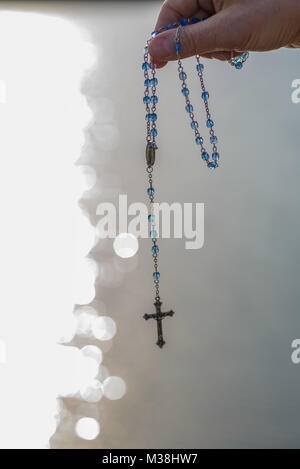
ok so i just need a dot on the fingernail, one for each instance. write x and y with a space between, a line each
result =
160 48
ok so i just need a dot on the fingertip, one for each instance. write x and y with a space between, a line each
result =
158 63
161 48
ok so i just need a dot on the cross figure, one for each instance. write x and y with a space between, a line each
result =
159 316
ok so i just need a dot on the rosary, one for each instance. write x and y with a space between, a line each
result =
151 118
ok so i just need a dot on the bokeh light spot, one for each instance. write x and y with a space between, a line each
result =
104 328
87 428
126 245
114 388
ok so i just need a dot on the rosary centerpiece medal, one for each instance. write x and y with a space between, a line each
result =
150 100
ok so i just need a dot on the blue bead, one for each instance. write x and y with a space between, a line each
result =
147 82
153 234
245 55
184 22
195 20
209 123
148 117
189 108
169 26
150 191
146 49
194 125
200 68
205 95
185 91
205 156
154 33
156 275
153 81
155 249
212 165
239 65
177 46
154 99
215 156
153 117
145 66
199 140
182 76
151 218
153 133
213 140
147 100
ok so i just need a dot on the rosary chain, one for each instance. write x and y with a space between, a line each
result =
150 100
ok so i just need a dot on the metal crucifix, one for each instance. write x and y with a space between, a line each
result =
159 316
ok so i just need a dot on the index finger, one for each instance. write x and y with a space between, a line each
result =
172 11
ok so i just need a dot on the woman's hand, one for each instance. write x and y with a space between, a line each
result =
234 26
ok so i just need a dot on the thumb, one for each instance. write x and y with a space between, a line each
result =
217 33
